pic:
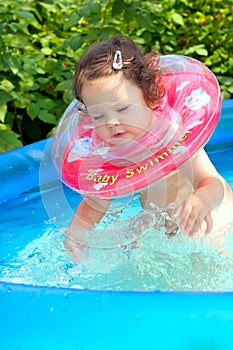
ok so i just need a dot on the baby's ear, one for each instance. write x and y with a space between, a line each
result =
153 105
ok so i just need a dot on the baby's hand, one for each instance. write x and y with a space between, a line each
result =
191 213
75 245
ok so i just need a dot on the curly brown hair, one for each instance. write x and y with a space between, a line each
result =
143 70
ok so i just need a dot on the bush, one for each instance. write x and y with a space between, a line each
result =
41 41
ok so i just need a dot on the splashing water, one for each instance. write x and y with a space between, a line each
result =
129 250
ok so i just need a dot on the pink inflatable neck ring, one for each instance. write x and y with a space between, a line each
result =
184 121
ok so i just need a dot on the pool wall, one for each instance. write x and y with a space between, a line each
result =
50 318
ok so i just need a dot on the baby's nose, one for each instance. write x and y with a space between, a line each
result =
113 121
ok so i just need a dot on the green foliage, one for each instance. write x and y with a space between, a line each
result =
40 42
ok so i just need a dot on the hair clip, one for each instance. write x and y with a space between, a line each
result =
117 60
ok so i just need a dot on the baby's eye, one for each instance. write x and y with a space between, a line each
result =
121 109
97 117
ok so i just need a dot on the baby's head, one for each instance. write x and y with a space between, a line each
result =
139 69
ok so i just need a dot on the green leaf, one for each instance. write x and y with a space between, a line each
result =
177 18
4 97
49 7
230 89
3 111
18 41
202 52
199 49
8 139
46 51
143 21
118 7
171 3
85 11
76 42
68 96
186 2
26 14
228 81
6 85
64 85
33 110
47 117
95 8
46 103
72 21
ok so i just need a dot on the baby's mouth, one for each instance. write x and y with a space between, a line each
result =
119 135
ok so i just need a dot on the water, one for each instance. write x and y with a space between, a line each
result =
33 252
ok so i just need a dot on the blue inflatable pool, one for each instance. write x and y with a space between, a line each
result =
33 317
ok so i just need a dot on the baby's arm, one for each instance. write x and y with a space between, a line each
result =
88 213
209 190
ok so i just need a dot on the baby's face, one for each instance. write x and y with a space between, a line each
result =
117 108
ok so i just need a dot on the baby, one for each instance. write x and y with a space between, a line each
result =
120 88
